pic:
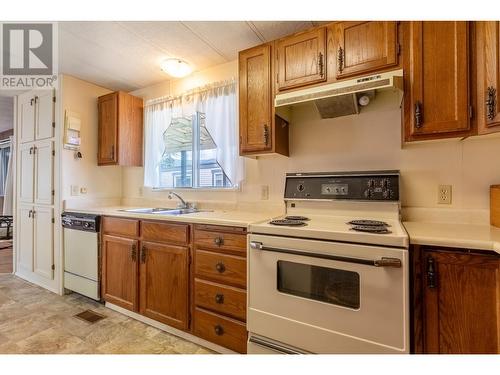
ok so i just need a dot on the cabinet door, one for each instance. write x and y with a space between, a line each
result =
436 69
301 59
24 222
26 117
164 280
488 80
43 243
108 130
363 47
461 298
120 271
44 115
255 100
26 172
44 162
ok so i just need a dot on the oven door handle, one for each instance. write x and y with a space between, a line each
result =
382 262
282 349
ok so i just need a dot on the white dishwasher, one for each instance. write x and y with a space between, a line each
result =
81 253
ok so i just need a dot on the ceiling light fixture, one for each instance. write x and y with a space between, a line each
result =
176 67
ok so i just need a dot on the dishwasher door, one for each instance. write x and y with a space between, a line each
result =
81 262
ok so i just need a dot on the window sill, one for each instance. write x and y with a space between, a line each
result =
231 189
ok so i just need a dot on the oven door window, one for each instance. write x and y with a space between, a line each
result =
330 285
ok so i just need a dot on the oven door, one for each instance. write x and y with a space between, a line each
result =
328 297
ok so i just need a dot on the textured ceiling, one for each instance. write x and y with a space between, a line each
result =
126 55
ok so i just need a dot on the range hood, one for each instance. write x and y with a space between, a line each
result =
342 98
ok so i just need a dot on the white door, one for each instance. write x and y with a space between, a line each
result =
26 172
26 114
44 115
24 223
43 172
43 249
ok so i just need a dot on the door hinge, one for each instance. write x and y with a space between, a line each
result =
54 99
398 51
53 193
53 124
53 220
53 152
53 267
471 112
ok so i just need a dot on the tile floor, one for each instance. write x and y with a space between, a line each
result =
34 320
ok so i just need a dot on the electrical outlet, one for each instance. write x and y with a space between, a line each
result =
75 189
264 192
444 194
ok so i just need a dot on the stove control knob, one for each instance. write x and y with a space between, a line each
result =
300 187
368 193
385 183
371 183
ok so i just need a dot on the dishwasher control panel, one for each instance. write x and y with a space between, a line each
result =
81 221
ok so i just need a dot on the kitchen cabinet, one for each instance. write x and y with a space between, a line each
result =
164 283
301 59
455 301
120 271
261 131
437 101
488 77
120 131
364 47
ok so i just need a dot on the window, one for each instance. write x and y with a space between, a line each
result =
192 141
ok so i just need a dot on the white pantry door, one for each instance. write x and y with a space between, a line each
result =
43 172
43 249
26 117
24 223
26 172
44 115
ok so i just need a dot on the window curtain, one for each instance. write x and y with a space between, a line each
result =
218 101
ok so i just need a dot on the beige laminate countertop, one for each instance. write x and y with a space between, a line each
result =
466 236
235 218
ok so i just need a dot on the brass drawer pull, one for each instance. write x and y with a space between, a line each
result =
220 267
219 241
133 253
491 103
143 254
219 331
219 298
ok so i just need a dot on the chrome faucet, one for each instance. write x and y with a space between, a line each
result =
183 204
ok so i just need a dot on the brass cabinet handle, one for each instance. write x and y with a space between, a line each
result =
266 134
219 331
30 213
340 59
321 65
220 267
32 101
31 150
419 118
219 241
431 273
219 298
491 102
133 253
143 254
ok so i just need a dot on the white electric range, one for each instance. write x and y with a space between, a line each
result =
332 275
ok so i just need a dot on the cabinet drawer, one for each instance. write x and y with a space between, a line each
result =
220 330
165 232
221 241
120 226
221 267
221 299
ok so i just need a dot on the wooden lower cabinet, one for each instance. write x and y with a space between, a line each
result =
120 271
164 283
456 301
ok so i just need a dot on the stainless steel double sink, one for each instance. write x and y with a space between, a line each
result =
164 211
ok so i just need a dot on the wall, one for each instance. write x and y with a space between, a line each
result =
6 113
370 140
101 182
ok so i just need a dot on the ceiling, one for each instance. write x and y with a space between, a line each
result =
126 55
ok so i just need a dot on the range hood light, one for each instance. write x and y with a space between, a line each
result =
364 100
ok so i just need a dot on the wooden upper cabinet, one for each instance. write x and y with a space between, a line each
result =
301 59
363 47
120 130
120 271
436 75
258 131
164 283
488 79
461 299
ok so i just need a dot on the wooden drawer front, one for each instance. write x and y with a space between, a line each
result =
221 241
219 298
221 267
120 227
219 330
165 232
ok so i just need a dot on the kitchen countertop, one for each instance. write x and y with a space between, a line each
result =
237 218
466 236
